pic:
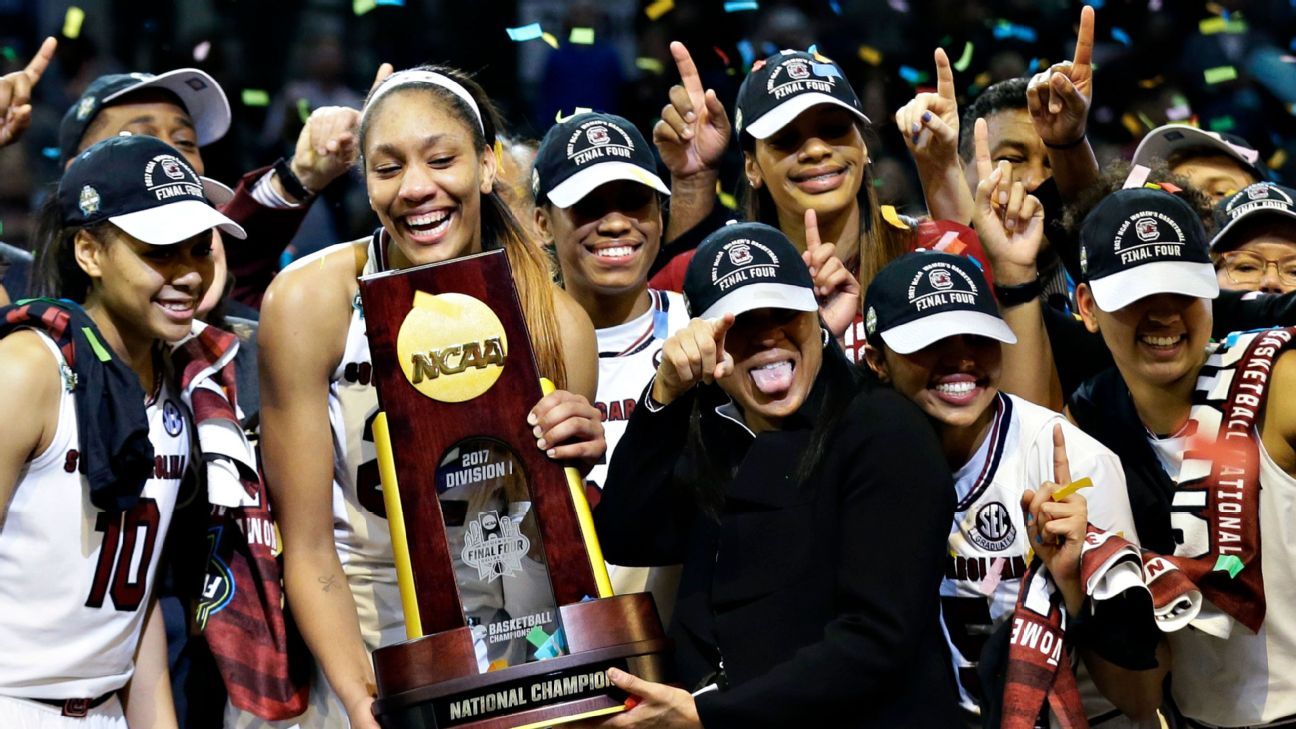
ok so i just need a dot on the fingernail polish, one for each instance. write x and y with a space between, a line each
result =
1030 519
1039 539
926 116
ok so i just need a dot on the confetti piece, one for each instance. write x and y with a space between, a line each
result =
727 200
303 109
201 51
913 75
581 36
1131 124
537 636
525 32
72 22
870 55
360 7
1120 35
1222 124
391 3
549 38
1229 563
738 6
1171 188
1178 112
498 664
1220 74
1147 122
256 97
964 60
1096 4
900 6
651 65
747 52
836 8
1137 176
1279 158
631 702
890 215
659 8
1071 488
825 70
992 578
1004 29
724 58
1153 186
1154 6
50 152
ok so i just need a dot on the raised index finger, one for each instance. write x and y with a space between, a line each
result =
1061 466
812 230
384 70
981 154
41 61
1084 41
944 75
688 74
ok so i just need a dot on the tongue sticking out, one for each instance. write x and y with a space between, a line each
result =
773 379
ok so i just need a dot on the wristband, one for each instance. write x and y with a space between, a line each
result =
290 182
1067 145
1009 296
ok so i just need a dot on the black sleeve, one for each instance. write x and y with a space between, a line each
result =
1238 311
896 505
689 239
643 518
1064 244
1078 353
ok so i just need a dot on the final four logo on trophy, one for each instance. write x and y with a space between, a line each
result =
495 546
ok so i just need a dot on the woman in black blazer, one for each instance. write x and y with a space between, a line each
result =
809 509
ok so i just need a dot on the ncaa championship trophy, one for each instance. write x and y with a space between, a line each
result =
509 613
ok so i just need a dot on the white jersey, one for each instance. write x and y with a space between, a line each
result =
1248 678
628 358
75 581
988 542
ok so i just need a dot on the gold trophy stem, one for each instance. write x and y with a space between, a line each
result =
396 523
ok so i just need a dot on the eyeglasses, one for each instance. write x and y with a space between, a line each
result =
1246 267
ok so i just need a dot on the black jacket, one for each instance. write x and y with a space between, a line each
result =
820 597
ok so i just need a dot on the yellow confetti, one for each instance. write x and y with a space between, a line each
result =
870 55
1132 124
550 39
890 215
581 36
651 65
1071 488
1152 83
72 22
1220 74
1151 186
1278 159
659 8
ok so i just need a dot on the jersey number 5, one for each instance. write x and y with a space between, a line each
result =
124 558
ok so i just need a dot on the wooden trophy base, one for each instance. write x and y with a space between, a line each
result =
433 682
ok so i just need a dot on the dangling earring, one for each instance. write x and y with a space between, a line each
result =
827 335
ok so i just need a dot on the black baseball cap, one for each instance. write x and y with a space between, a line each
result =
787 83
746 266
199 93
588 150
1140 242
143 186
924 297
1164 141
1260 199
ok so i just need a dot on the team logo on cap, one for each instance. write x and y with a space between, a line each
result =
748 260
870 321
1084 260
792 76
945 285
85 108
1259 196
535 182
177 178
1157 234
1258 192
740 255
89 202
597 140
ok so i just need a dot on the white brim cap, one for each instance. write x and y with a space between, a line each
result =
573 189
783 114
762 296
1119 290
201 95
169 224
1157 145
217 192
915 335
1218 240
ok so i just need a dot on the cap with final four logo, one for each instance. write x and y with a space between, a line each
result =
1140 242
924 297
587 150
787 83
143 186
747 266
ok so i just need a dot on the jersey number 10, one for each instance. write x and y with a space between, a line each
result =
117 557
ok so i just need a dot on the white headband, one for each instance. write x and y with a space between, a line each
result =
406 78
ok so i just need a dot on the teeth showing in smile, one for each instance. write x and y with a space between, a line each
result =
617 252
1159 341
428 221
176 305
956 388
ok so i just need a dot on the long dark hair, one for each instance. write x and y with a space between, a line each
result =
879 244
56 273
706 476
532 270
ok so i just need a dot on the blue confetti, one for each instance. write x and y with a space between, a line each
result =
1004 29
813 49
740 5
1096 4
769 48
525 32
910 74
837 8
747 52
392 3
1124 38
825 70
51 152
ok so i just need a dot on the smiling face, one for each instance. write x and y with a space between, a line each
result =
607 241
151 292
1157 340
149 113
816 162
953 380
777 354
425 177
